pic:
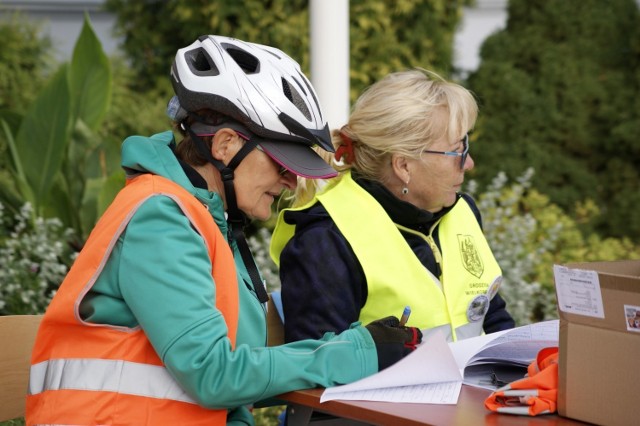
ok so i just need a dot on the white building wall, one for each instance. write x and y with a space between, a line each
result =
478 22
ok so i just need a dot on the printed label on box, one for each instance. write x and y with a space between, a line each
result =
578 291
632 315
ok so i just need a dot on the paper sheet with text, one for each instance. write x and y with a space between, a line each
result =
409 380
434 372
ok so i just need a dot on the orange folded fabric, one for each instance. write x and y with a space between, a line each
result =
535 394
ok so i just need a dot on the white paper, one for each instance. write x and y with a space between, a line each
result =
435 393
388 384
510 346
434 372
506 353
578 291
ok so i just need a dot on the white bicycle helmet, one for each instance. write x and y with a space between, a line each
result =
259 86
263 90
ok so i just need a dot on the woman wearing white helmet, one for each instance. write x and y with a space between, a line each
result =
161 320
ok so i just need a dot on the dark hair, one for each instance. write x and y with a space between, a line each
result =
186 149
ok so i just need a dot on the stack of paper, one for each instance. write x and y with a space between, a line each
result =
434 372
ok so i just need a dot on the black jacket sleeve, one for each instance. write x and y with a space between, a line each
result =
497 318
323 285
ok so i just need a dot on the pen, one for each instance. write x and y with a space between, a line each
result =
405 316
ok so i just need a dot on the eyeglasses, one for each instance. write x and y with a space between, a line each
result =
463 155
282 169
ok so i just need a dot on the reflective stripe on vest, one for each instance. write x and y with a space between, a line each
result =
106 375
395 276
84 373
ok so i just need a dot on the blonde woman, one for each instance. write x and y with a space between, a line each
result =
394 229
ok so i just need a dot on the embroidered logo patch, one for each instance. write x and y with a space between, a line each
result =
470 258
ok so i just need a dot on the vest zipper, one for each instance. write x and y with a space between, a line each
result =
434 247
429 239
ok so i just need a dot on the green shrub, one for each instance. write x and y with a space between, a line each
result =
557 89
35 258
384 35
529 234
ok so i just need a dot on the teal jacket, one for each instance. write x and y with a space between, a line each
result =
159 277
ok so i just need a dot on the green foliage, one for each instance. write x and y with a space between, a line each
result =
558 92
89 78
510 232
132 112
51 148
385 36
571 244
14 422
391 36
268 416
35 258
41 139
154 30
25 61
528 234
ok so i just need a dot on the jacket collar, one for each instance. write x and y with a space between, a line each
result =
401 212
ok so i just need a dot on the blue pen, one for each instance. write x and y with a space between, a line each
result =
405 316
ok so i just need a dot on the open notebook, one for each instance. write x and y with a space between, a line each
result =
434 373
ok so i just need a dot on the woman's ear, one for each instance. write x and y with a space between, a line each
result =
400 167
226 143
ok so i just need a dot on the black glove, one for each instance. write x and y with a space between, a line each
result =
393 342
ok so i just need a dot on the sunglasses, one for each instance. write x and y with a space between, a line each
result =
282 170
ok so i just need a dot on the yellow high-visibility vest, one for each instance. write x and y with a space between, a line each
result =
455 302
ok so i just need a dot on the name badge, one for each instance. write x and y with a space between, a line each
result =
478 308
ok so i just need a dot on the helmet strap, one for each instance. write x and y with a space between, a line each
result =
235 217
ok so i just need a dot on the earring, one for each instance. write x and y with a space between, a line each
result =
405 188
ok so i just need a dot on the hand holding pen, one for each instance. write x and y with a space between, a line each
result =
393 340
405 316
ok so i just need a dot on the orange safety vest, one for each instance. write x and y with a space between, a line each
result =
535 394
97 374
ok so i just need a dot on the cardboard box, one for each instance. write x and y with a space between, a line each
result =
599 370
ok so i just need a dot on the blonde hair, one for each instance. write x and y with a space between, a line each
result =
400 114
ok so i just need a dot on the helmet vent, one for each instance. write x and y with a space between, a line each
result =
200 63
310 89
249 63
294 96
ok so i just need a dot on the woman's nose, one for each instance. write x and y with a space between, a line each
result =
469 163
